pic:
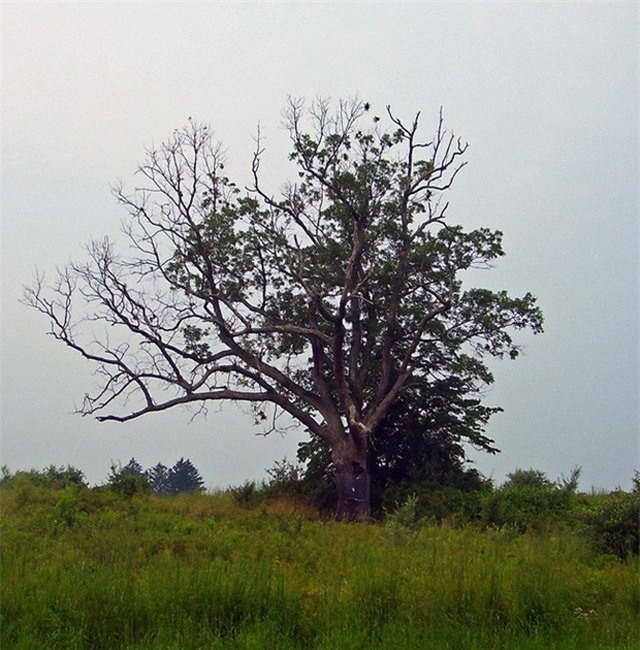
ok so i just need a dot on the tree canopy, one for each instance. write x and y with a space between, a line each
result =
327 300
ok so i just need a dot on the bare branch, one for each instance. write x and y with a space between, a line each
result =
323 301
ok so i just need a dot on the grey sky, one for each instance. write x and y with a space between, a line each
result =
545 93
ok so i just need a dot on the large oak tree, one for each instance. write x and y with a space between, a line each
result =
326 300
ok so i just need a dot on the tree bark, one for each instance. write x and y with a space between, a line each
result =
352 479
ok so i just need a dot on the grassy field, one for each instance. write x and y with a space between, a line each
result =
89 569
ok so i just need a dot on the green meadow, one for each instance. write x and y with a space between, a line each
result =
91 569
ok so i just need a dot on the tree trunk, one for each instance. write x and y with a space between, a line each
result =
352 479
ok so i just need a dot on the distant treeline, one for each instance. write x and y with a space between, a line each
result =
526 502
127 480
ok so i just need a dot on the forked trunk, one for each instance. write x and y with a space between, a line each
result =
352 480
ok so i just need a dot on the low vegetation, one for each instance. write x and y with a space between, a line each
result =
258 568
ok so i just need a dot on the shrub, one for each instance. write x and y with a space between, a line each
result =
438 504
528 500
527 478
284 478
127 481
306 487
49 477
613 524
403 521
67 511
246 494
525 508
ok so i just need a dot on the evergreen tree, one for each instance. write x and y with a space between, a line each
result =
184 477
133 467
159 478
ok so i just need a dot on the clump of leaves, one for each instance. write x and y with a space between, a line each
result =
67 512
613 525
528 500
403 521
128 480
246 494
284 477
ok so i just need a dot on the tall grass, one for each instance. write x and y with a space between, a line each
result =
85 569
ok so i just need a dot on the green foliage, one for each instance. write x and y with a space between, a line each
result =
158 476
68 511
439 504
528 500
184 477
318 477
339 300
613 524
285 481
403 519
128 480
131 479
525 508
247 494
284 477
419 447
527 478
49 477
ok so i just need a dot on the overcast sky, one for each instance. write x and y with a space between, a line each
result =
545 93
